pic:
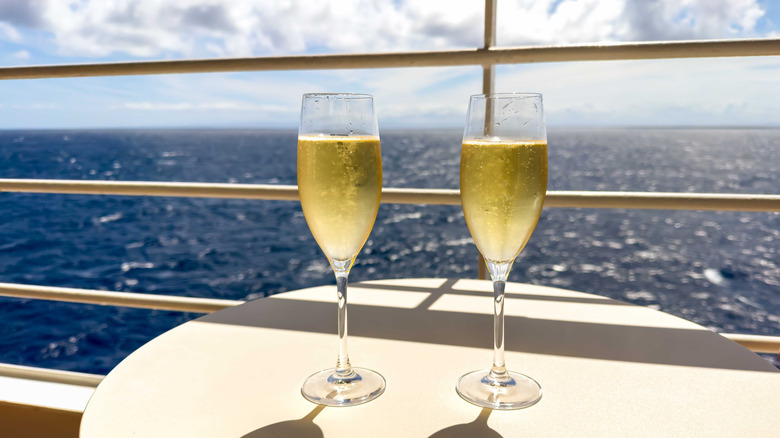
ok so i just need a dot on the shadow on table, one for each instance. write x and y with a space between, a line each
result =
477 428
302 428
619 342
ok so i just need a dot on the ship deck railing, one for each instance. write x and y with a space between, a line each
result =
57 407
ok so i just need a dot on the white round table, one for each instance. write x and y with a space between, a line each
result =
607 368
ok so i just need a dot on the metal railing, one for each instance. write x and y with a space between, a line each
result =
487 57
756 343
554 199
48 375
124 299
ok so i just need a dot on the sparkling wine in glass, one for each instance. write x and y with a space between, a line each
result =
340 184
503 181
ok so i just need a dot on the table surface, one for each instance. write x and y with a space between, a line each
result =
607 368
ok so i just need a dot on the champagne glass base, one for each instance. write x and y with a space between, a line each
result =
327 389
516 392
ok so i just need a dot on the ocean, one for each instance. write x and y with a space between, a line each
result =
718 269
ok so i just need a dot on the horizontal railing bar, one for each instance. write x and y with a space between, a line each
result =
756 343
123 299
490 56
152 188
664 201
50 375
555 199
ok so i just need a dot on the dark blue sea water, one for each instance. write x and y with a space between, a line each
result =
719 269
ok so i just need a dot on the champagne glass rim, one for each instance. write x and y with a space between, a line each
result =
338 95
509 95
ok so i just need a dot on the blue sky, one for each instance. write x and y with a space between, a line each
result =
730 91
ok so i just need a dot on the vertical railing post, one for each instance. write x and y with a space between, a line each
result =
489 70
488 77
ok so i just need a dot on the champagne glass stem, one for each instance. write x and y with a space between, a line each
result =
499 272
343 367
499 369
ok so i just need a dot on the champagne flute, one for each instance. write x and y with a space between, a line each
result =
340 183
503 181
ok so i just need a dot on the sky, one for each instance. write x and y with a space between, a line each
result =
742 91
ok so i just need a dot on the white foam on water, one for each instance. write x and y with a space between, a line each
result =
714 276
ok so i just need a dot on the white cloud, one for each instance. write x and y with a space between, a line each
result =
732 91
571 21
21 54
649 92
150 28
687 19
190 106
36 106
401 95
9 32
543 22
192 28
